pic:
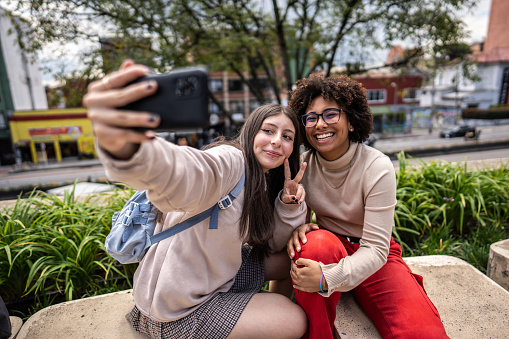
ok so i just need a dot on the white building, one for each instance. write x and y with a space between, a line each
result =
22 77
20 82
453 93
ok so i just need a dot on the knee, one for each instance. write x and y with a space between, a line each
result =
300 322
323 246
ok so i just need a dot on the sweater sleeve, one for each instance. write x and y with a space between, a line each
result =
287 217
178 178
379 189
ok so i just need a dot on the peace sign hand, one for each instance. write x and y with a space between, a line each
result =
293 192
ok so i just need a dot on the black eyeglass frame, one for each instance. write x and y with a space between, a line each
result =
305 116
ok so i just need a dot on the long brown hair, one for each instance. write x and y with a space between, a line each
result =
261 190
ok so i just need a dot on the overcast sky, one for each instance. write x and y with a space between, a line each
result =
476 20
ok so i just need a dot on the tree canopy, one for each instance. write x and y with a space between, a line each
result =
278 40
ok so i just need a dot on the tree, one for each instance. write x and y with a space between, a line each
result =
283 41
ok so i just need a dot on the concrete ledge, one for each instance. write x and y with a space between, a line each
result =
95 317
471 305
498 263
16 324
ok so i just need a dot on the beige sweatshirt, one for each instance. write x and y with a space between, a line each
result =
363 207
181 272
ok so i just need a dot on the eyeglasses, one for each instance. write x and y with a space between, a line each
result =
329 116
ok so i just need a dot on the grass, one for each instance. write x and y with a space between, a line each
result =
52 249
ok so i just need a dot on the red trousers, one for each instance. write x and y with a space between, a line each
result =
393 297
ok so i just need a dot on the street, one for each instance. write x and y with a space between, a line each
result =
421 138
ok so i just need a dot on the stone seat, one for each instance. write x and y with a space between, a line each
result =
471 306
16 324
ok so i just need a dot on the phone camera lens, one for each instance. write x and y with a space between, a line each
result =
186 86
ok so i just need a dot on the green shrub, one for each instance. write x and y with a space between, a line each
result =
446 209
53 246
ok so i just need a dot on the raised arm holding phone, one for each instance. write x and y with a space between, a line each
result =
201 282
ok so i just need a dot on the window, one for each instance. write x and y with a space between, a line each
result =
264 84
253 104
237 106
376 95
215 85
410 94
214 108
234 85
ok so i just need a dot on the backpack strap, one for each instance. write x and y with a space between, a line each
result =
212 212
226 202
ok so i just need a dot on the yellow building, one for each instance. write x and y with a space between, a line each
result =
44 135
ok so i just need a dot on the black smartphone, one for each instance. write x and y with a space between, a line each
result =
181 99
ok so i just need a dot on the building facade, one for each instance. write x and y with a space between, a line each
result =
454 98
393 100
51 135
20 83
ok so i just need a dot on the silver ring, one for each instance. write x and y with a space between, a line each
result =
106 82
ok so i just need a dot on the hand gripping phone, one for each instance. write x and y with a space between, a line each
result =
181 99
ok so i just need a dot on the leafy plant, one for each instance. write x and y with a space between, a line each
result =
56 245
447 209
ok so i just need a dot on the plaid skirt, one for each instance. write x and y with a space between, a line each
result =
216 317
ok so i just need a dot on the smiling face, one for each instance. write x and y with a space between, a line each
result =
274 141
330 140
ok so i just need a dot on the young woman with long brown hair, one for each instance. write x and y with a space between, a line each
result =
201 282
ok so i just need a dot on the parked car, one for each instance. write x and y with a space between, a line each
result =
457 131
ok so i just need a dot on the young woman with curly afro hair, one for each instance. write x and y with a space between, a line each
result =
351 188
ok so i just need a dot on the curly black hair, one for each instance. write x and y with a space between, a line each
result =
347 93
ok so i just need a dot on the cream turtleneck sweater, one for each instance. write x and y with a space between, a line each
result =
354 195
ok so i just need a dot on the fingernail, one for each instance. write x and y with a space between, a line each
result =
304 241
151 84
292 254
298 248
153 118
150 135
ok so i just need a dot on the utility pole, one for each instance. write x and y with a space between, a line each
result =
433 92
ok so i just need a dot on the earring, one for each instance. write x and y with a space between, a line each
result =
351 129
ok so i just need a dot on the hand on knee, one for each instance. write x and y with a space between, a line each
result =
322 246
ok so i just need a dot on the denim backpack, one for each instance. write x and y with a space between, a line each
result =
132 231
